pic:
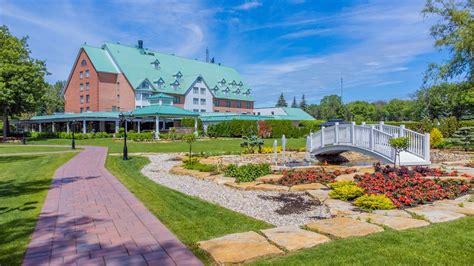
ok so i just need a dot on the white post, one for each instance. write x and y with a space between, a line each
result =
40 128
157 127
426 147
402 131
322 136
336 132
84 127
67 127
53 127
363 123
353 133
138 126
310 141
195 126
372 139
117 126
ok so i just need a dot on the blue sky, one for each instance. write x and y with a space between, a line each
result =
381 48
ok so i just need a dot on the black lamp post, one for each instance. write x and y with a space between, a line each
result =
72 127
124 120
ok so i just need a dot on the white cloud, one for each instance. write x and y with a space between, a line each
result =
248 5
304 33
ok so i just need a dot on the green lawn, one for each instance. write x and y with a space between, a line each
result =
450 243
10 149
211 146
22 193
190 218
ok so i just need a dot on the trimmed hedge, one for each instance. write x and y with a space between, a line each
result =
268 129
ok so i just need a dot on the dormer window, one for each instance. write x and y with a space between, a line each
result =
156 64
160 82
216 88
178 75
222 82
237 91
226 91
240 84
144 85
175 84
247 92
233 83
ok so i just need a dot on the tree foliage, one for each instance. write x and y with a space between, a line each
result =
52 101
331 107
294 104
22 84
281 101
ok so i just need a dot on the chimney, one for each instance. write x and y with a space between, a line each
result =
207 55
140 44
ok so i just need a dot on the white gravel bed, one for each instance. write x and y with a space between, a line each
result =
243 201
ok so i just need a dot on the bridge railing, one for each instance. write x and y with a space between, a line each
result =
370 137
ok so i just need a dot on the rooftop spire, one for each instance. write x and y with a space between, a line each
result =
207 55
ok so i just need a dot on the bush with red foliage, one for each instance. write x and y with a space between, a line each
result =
312 175
411 188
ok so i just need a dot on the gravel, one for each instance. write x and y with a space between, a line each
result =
258 204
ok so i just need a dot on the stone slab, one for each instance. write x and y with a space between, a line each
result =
221 180
347 177
238 248
435 215
340 208
310 186
243 185
270 178
294 238
397 223
179 170
318 194
343 227
466 208
270 187
393 213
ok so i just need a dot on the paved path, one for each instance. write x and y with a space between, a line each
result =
90 218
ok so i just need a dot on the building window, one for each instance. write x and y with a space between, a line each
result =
87 109
248 105
195 101
81 86
114 108
203 90
176 99
203 111
196 110
87 86
118 97
88 74
195 90
82 99
83 62
239 105
273 113
216 102
216 111
227 104
81 75
138 96
82 109
203 101
88 98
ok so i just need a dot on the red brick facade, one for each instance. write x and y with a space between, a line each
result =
101 92
222 106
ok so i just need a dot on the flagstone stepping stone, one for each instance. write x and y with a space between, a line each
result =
464 198
343 227
435 215
393 213
270 187
243 185
365 169
319 194
466 208
294 238
238 248
221 179
273 178
340 208
347 177
397 223
310 186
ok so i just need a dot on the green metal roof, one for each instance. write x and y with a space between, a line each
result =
138 65
163 110
294 114
77 116
100 59
160 96
221 117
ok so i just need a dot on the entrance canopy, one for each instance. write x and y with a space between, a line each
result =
162 111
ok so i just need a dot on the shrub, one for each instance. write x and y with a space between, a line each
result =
436 138
374 202
249 172
345 190
313 175
194 164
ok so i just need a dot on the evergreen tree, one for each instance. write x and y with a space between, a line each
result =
303 104
281 101
294 104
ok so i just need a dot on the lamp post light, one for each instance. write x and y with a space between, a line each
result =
73 127
124 120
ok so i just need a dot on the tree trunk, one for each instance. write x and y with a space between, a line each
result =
5 124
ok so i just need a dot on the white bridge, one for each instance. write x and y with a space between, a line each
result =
372 140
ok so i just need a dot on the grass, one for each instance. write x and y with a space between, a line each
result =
22 194
11 149
189 218
209 146
448 243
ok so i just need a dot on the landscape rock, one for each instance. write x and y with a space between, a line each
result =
238 248
393 213
294 238
270 178
319 194
221 179
435 215
347 177
270 187
466 208
343 227
397 223
243 185
340 208
310 186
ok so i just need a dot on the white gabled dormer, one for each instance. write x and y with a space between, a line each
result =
175 84
156 64
222 82
160 82
178 75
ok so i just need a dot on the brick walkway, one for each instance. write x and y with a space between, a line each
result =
90 218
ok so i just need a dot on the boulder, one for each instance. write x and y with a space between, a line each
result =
343 227
238 248
294 238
